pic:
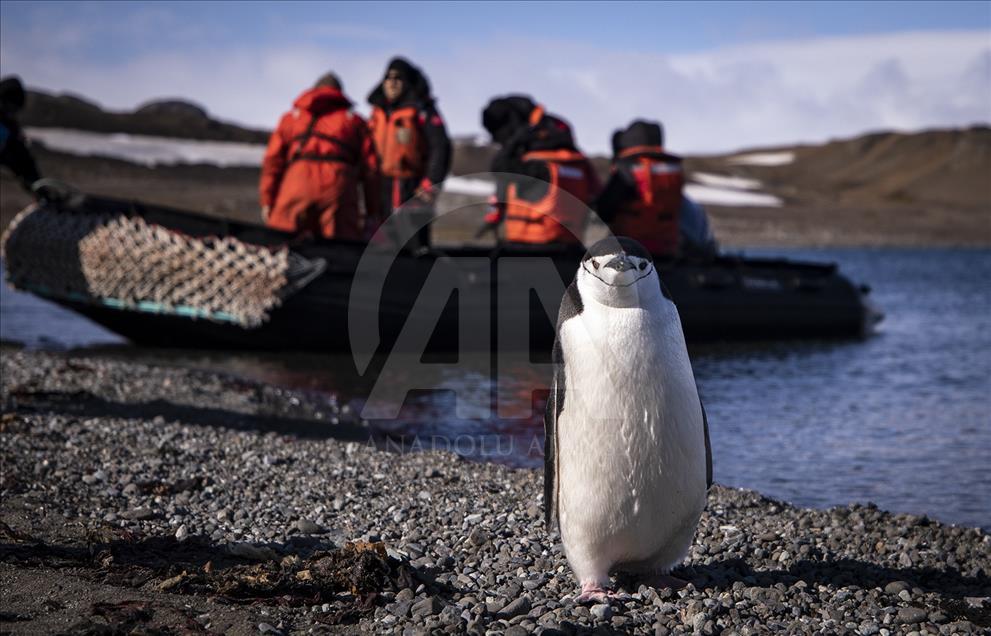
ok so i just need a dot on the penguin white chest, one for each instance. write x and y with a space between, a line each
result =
630 442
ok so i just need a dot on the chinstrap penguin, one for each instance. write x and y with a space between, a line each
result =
627 462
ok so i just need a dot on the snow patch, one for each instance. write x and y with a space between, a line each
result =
468 186
763 159
723 181
710 195
717 189
148 150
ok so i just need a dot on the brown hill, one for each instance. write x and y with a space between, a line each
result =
926 188
470 157
936 167
162 118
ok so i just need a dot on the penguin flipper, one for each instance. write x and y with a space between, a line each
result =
708 447
555 402
571 306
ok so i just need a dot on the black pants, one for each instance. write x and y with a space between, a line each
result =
399 193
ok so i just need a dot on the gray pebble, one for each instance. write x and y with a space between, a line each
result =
911 615
896 587
426 607
516 607
602 611
306 526
400 609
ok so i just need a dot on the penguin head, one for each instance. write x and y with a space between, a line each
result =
619 272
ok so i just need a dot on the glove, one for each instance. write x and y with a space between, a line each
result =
496 209
427 192
492 219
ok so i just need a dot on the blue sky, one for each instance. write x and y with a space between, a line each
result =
668 27
720 74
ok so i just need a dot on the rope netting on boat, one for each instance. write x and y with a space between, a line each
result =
121 260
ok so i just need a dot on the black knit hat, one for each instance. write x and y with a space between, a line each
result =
330 80
639 133
505 115
402 66
12 94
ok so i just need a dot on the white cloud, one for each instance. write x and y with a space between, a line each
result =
719 100
347 30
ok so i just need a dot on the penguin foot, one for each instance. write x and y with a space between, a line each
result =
594 593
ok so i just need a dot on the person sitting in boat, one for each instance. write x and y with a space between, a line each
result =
697 239
412 143
547 183
644 196
315 160
14 151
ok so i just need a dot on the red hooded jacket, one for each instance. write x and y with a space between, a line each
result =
315 160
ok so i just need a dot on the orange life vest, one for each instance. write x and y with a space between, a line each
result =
652 218
536 114
560 216
400 142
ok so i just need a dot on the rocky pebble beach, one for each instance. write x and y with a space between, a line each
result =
158 500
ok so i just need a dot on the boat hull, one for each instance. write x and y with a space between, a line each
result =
504 298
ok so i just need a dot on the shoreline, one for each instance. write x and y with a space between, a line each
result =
162 496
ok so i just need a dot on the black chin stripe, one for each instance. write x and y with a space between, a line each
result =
635 281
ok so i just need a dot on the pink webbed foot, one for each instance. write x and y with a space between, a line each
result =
592 592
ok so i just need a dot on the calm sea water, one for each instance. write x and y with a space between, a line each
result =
902 419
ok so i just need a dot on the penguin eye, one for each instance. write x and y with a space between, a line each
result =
594 264
643 265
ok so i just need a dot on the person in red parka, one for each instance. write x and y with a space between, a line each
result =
314 163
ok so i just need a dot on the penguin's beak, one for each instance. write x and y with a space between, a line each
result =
620 263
